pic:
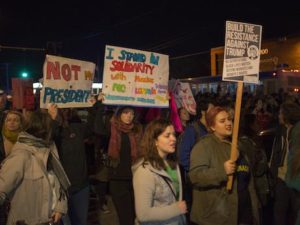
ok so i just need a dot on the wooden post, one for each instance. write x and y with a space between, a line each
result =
237 112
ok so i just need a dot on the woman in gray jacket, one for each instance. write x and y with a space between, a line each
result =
156 178
32 177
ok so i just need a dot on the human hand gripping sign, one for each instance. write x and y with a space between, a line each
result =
52 110
101 97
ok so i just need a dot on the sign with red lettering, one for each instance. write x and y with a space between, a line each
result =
67 82
135 77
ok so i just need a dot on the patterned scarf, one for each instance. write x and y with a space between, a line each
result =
114 147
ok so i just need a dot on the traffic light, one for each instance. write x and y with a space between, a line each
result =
24 74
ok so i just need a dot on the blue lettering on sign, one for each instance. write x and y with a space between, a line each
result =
118 97
109 56
123 55
129 56
65 95
146 100
154 59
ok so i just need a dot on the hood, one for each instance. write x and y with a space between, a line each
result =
30 140
147 165
136 165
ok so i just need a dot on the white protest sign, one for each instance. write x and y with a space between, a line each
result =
135 77
66 82
242 52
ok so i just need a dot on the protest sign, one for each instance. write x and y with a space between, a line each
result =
242 52
135 77
184 97
22 90
241 64
67 82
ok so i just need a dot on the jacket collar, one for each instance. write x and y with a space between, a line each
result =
227 141
160 173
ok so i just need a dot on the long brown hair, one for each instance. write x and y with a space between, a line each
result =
149 150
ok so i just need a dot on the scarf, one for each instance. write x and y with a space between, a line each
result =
114 147
53 160
12 136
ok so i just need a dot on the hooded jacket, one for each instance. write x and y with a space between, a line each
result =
24 180
155 203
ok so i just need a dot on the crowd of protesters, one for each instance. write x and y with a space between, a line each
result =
51 161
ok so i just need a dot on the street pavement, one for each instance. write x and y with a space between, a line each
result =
99 217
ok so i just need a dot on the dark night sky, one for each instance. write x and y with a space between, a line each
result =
82 30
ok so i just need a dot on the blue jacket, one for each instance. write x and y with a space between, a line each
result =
189 138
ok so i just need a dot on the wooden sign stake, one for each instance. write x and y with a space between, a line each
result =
237 112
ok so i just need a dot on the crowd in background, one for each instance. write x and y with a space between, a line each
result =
53 159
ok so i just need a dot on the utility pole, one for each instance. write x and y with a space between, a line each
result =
22 48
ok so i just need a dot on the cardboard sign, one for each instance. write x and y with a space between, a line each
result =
242 52
67 82
184 97
134 77
23 97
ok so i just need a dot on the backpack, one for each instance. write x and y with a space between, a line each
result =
260 169
180 136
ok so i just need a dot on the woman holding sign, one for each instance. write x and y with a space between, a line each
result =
209 169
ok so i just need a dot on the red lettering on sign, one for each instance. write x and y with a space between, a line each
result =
53 69
76 69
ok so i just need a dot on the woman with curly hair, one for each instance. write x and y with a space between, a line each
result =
13 124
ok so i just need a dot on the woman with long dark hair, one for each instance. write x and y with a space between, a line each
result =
157 181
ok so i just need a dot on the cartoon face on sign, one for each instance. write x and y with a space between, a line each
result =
252 52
